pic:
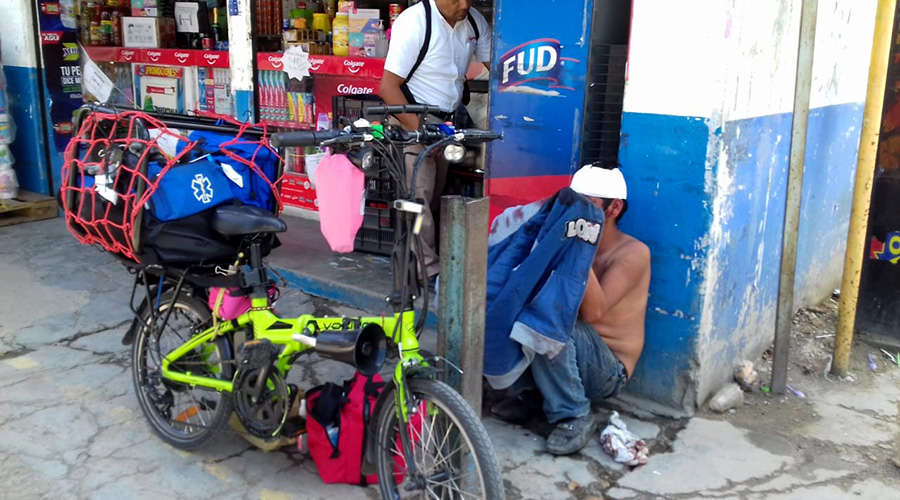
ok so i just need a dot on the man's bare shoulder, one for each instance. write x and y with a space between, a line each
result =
634 252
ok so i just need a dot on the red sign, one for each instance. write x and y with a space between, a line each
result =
269 62
328 86
154 56
183 58
329 65
127 56
51 37
212 59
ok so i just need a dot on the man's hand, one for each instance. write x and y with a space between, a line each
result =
392 95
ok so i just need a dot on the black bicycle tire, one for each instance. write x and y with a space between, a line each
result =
224 408
465 419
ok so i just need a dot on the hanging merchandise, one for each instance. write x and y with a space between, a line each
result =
9 186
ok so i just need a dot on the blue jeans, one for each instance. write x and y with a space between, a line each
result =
584 371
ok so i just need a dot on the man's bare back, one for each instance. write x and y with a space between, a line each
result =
623 272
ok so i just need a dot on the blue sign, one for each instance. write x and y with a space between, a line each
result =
537 63
537 97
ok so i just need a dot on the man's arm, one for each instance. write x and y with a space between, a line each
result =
392 95
624 275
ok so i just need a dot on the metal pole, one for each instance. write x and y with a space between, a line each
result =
462 296
242 59
862 192
785 310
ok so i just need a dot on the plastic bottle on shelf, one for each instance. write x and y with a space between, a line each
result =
381 42
106 29
216 30
96 29
116 19
341 35
322 122
85 22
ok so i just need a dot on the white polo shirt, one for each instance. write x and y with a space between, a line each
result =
439 79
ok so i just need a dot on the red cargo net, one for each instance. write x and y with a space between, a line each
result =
103 192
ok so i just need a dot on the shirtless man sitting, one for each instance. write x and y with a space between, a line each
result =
608 336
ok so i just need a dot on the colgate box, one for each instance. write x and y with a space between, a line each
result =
148 32
327 87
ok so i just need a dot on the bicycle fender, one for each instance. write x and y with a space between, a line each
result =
135 327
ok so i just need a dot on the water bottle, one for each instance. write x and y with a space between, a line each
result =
333 431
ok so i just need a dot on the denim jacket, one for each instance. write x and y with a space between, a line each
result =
535 283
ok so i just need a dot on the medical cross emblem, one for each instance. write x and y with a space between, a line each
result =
202 189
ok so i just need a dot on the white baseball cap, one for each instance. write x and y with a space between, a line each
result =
600 182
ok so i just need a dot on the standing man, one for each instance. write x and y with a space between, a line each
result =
432 43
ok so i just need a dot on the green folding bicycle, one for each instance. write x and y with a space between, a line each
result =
191 372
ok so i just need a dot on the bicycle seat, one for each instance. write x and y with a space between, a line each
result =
241 220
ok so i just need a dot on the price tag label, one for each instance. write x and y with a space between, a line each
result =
295 63
96 82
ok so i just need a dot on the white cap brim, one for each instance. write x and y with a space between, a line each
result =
600 182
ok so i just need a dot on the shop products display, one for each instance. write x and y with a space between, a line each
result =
185 24
9 185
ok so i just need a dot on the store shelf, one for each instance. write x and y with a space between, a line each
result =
360 67
290 125
168 57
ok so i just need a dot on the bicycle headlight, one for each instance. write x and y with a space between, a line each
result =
363 158
454 152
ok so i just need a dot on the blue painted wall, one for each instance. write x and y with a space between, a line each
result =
28 148
831 154
664 161
744 270
715 236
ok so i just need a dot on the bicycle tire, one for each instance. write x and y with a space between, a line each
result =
458 413
181 430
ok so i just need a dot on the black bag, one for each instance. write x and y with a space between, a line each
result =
190 240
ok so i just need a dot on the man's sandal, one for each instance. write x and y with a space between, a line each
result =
571 435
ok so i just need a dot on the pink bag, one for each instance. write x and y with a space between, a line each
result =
340 189
232 306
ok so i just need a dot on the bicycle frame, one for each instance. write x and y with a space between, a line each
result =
282 332
290 333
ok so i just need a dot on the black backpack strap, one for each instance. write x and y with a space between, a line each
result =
423 51
474 26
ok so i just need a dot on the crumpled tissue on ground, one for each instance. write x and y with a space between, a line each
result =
621 444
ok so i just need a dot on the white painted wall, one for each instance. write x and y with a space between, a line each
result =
675 57
16 34
737 59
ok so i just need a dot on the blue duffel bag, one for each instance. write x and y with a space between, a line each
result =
253 190
188 189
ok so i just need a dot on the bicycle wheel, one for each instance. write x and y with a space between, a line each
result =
451 451
181 415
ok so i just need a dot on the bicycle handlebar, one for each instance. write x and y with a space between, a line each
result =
416 109
304 138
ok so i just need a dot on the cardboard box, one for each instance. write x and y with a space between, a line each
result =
363 28
148 32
